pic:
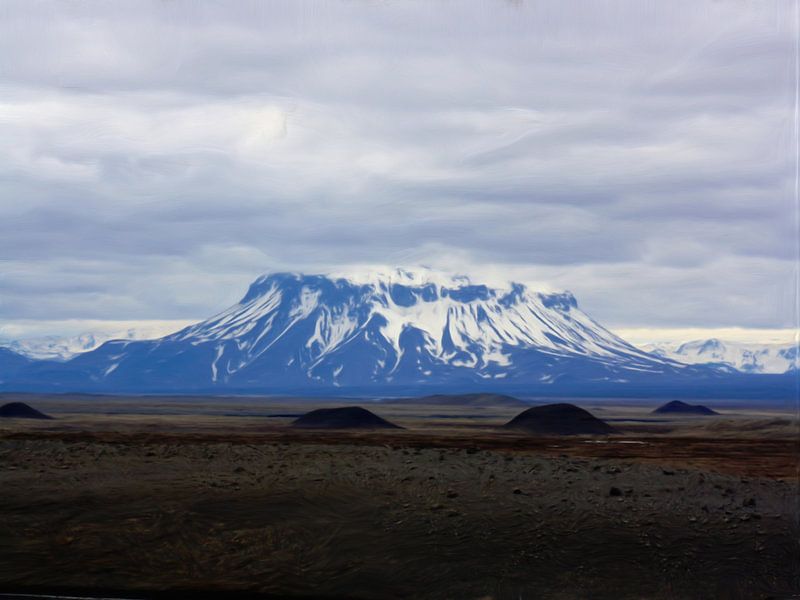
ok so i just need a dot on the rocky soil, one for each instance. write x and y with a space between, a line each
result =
386 520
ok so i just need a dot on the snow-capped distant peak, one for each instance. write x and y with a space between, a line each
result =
61 348
743 356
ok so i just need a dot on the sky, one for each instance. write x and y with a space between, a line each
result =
156 157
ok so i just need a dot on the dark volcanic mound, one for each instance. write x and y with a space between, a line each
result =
347 417
20 410
462 400
676 407
559 419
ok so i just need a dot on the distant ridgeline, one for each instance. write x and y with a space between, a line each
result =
396 333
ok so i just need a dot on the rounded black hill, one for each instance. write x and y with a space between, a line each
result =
559 419
676 407
346 417
20 410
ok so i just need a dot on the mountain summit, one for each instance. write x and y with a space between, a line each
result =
395 330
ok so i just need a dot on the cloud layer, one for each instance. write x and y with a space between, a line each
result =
156 157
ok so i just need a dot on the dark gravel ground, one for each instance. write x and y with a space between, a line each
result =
372 520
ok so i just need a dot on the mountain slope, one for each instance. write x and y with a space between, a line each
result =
11 363
396 330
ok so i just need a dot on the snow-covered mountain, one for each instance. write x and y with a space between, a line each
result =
404 325
398 329
744 357
61 348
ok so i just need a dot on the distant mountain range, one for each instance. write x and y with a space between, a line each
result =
64 348
743 357
395 332
61 348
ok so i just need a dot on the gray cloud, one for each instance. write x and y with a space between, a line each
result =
156 157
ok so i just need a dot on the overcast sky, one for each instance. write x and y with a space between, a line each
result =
155 157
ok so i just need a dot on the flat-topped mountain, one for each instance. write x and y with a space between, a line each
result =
372 333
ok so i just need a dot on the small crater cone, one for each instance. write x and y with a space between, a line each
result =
346 417
20 410
559 419
682 408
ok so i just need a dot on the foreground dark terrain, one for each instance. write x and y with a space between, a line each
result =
217 496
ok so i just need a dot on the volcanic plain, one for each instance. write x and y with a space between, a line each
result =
183 495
